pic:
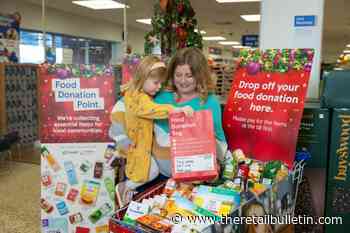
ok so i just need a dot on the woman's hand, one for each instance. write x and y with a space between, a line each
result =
188 110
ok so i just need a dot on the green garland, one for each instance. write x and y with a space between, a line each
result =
277 60
85 71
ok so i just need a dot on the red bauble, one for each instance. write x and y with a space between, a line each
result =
253 68
179 31
180 8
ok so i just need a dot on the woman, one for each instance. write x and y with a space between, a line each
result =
188 83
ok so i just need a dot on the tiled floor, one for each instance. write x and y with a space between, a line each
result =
19 199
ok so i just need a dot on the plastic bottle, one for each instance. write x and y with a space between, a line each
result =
109 152
109 184
50 159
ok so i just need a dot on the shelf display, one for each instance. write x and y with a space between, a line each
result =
19 103
224 75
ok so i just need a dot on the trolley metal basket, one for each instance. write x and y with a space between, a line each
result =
278 200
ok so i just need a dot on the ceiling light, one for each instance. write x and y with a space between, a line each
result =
145 21
346 51
229 42
202 32
348 45
251 18
241 47
213 38
227 1
100 4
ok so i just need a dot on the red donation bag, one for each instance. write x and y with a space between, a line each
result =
193 146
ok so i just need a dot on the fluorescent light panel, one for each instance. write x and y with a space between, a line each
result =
145 21
251 18
100 4
213 38
229 43
201 32
240 47
228 1
346 51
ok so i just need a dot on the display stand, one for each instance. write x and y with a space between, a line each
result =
18 101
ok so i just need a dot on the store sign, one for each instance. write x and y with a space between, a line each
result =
250 40
304 20
266 101
75 103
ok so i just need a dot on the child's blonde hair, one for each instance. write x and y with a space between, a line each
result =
198 64
150 67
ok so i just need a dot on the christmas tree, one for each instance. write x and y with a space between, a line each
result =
173 27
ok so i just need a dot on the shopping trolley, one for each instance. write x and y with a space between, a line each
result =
293 179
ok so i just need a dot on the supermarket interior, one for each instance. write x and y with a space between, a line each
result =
176 116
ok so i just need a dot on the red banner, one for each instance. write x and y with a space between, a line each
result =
265 105
75 103
193 146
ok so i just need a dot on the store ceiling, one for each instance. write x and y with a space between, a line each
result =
223 19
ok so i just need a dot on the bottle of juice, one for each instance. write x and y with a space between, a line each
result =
109 184
50 159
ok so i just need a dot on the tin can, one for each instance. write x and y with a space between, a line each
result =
98 170
72 194
61 189
76 218
46 179
46 206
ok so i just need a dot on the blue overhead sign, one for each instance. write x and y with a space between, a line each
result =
250 40
305 21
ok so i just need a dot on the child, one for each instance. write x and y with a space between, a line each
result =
140 110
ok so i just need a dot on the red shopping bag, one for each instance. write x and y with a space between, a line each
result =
193 146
